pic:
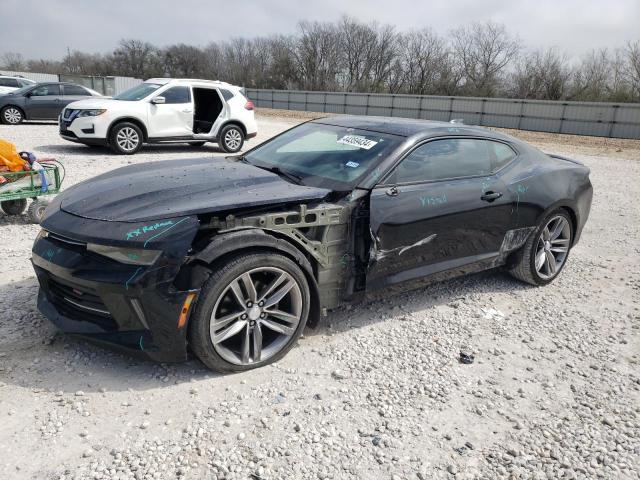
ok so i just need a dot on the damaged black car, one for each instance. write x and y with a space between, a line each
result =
232 258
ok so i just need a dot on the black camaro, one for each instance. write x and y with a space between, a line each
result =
232 258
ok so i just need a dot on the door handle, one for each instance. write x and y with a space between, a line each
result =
187 111
490 196
392 191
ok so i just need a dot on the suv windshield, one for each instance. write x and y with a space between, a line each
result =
324 156
138 92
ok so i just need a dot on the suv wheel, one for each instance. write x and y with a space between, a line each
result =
11 115
231 138
250 313
126 138
546 251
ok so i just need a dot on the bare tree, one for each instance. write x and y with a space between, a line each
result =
317 56
591 77
542 74
136 58
484 50
12 61
183 61
425 59
632 69
480 59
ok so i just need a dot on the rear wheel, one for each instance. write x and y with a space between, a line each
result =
546 251
11 115
251 312
36 210
14 207
126 138
231 138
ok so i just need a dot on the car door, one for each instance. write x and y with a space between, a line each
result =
443 207
174 116
73 93
44 102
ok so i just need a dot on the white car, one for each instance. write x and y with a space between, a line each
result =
163 110
11 84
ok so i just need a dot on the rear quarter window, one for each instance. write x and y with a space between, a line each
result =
226 94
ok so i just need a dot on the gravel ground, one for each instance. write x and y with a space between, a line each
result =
375 392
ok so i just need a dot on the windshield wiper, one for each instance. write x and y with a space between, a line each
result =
292 177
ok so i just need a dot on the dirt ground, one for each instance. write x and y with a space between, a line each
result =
376 391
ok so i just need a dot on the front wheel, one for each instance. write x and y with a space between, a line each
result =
11 115
231 139
126 138
545 252
250 313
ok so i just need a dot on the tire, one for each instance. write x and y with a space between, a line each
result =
217 297
537 273
231 139
36 210
11 115
14 207
126 138
197 144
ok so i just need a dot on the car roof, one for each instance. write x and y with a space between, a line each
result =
217 83
409 127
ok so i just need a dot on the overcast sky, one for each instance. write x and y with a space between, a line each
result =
45 28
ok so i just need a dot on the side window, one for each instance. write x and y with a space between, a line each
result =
226 94
9 82
442 159
75 90
177 95
46 91
501 155
25 83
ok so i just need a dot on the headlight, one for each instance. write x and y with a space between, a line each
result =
91 113
42 234
130 256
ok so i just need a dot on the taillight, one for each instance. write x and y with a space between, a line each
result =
249 105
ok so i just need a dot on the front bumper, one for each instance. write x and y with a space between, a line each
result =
87 130
130 307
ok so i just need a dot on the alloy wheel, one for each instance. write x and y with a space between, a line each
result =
256 315
233 139
12 116
128 139
552 247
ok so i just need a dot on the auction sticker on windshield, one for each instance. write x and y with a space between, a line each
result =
357 141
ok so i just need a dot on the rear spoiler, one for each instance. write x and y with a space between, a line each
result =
566 159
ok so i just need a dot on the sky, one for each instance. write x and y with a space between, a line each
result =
45 28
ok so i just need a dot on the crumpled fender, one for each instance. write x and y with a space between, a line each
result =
247 239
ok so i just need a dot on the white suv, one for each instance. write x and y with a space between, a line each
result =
163 110
11 84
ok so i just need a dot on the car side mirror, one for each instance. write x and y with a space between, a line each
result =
158 100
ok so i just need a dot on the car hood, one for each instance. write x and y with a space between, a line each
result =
150 191
93 103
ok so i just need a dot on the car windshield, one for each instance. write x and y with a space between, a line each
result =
138 92
324 156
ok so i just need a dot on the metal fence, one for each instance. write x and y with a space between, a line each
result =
105 85
618 120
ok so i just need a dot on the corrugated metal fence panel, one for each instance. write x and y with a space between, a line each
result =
124 83
589 118
36 77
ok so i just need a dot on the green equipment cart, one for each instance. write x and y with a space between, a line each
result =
22 186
